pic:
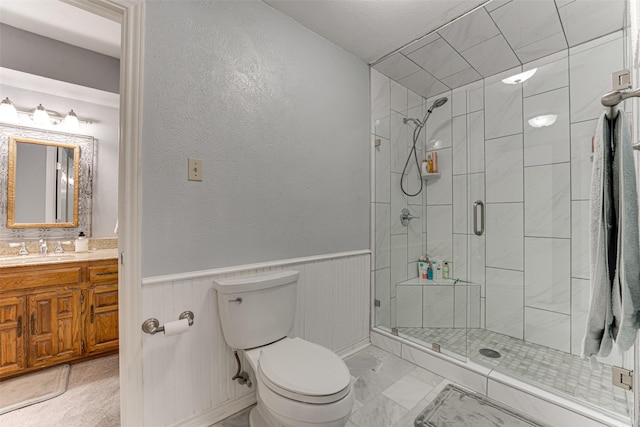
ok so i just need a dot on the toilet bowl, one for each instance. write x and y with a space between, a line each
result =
299 383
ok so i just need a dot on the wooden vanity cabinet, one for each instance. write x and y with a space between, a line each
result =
101 322
54 327
13 357
56 313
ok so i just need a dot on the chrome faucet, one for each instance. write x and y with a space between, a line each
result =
23 248
43 247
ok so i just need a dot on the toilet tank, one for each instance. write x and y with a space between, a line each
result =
257 310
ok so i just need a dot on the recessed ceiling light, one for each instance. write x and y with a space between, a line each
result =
520 78
543 121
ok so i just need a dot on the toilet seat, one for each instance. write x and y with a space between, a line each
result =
303 371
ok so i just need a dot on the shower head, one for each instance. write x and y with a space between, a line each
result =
420 124
438 103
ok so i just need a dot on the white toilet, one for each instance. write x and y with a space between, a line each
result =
300 384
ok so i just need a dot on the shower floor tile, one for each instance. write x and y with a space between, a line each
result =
541 366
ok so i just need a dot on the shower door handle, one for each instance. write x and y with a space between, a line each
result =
478 231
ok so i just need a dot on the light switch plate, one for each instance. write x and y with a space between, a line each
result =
195 169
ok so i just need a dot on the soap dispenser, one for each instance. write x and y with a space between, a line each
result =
82 244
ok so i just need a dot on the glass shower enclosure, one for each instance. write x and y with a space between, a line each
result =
508 208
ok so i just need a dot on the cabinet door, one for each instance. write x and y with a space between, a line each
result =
12 318
102 319
54 327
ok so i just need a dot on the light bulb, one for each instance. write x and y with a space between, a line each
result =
8 110
71 121
519 78
543 121
40 115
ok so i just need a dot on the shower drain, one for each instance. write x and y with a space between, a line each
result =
489 353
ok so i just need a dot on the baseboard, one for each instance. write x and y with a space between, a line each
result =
218 413
353 348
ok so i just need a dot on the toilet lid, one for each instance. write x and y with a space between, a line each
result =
304 371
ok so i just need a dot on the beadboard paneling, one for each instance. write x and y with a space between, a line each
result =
188 376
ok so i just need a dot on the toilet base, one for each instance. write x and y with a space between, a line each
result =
263 416
256 419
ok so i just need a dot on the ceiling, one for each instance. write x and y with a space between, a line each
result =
370 29
497 37
63 22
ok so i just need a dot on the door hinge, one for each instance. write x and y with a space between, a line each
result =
376 303
622 378
82 345
81 297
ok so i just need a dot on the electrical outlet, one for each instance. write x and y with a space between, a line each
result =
195 169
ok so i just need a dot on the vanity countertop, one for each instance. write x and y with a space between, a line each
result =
52 258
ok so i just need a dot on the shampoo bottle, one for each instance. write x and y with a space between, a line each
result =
429 163
445 270
82 244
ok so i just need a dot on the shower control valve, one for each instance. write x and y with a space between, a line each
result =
406 217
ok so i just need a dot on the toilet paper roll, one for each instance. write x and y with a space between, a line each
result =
177 327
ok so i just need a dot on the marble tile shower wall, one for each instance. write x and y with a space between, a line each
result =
532 261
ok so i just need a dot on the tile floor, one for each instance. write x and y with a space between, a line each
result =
389 391
538 365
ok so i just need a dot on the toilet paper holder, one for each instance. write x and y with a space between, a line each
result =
152 325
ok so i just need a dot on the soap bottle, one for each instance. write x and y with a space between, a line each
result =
434 162
420 266
429 272
429 163
82 244
445 270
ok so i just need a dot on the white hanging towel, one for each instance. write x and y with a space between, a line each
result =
614 242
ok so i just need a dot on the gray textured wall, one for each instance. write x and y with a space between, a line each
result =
280 117
24 51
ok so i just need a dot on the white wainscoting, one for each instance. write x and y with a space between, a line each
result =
187 377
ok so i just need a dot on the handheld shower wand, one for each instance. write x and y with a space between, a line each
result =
416 134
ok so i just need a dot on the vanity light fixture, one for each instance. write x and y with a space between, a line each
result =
71 122
543 121
8 110
520 78
41 117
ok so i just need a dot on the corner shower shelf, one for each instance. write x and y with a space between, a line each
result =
428 176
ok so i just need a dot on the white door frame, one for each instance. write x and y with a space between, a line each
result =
130 14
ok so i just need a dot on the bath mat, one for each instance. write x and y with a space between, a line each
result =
33 388
457 407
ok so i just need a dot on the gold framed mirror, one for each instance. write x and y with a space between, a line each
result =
42 184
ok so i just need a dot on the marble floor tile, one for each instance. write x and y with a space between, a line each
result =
379 412
361 363
407 391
